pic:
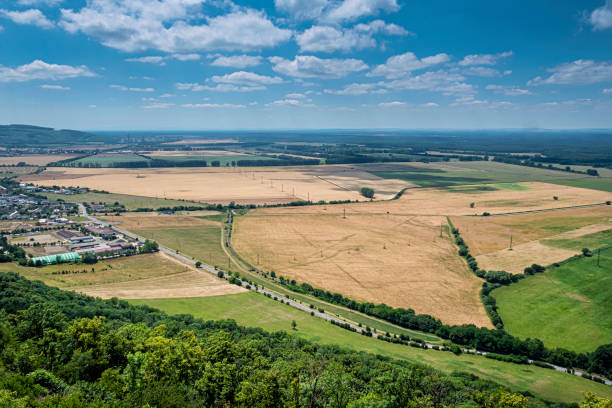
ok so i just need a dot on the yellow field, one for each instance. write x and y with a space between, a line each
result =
257 185
135 277
138 221
489 237
439 201
398 260
34 159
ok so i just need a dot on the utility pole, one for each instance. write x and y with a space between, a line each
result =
598 255
344 216
510 241
440 230
309 196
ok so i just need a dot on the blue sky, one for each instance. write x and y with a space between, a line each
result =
291 64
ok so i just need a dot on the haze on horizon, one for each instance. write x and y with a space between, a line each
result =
306 64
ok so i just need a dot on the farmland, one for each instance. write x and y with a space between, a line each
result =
256 185
140 276
398 260
566 306
33 159
196 237
258 311
131 202
542 238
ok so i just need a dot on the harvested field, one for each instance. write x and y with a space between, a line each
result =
489 234
397 260
443 201
194 283
525 254
256 185
135 221
34 159
141 276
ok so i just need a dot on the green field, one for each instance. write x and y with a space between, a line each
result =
223 160
479 172
567 306
130 202
591 241
107 161
255 310
202 242
595 183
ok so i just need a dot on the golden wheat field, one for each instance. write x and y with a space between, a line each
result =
34 159
442 201
257 185
399 260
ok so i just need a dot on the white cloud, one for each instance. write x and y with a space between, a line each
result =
92 106
186 57
168 25
212 105
482 72
507 90
430 105
41 70
350 10
468 100
301 9
601 18
484 59
436 81
308 66
30 17
352 89
246 78
240 81
334 11
330 39
394 104
157 59
285 102
401 65
236 61
152 59
55 87
295 96
607 91
125 88
578 72
167 95
49 3
158 105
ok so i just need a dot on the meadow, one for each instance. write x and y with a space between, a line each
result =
131 202
256 310
461 173
195 237
567 306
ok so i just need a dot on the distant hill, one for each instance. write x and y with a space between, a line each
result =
26 136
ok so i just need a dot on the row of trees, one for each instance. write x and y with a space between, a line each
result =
63 350
498 341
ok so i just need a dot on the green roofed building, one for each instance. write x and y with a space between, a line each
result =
51 259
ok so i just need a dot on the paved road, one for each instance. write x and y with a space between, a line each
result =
280 297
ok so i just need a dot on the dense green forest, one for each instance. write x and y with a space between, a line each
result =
61 349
